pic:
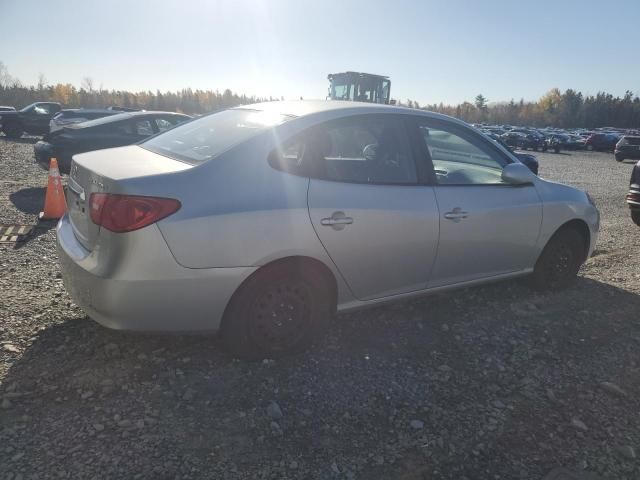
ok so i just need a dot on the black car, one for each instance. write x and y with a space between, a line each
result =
633 197
107 132
77 115
33 119
628 147
526 158
524 141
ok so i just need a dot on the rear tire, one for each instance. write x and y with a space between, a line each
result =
279 310
619 158
560 261
556 149
12 131
635 216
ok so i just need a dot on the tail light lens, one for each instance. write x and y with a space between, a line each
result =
126 213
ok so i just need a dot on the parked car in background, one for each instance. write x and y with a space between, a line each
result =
601 141
556 142
633 197
628 147
106 132
574 142
4 108
77 115
526 158
524 141
264 220
33 119
116 108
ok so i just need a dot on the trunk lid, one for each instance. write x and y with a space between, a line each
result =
107 171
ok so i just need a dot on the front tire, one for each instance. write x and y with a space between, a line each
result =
635 217
12 131
279 310
560 261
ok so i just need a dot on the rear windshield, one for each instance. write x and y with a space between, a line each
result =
200 140
103 120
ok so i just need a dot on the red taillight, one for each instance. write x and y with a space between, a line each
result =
125 213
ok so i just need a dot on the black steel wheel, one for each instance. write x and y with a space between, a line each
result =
279 310
560 261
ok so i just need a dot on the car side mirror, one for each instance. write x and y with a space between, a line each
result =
517 174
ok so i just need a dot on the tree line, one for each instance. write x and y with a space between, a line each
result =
14 93
568 109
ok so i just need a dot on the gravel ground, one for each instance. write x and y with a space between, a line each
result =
486 383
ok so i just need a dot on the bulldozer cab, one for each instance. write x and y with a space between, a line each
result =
359 87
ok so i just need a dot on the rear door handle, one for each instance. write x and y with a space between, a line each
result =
456 214
338 221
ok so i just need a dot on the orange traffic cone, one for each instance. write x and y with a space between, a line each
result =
54 202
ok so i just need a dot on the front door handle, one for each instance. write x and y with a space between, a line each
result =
337 221
456 214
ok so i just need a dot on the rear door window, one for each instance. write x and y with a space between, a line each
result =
371 149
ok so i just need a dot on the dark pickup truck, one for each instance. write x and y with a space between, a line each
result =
33 119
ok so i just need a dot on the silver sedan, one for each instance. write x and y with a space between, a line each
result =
265 220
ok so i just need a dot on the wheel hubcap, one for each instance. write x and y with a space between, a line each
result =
563 264
281 316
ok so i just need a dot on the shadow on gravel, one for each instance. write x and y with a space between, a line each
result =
100 393
23 140
29 200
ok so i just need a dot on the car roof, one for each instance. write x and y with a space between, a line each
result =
301 108
86 110
118 117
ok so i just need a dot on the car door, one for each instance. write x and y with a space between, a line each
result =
36 119
367 203
487 227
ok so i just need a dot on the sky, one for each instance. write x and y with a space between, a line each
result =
433 50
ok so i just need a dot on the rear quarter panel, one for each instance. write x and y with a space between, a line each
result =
239 211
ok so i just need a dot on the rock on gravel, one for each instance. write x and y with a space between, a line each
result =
274 411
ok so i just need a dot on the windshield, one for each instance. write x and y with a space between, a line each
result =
28 107
200 140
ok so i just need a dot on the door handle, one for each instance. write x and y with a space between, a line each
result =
456 214
338 221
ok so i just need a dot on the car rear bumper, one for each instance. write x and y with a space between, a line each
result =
164 297
628 153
